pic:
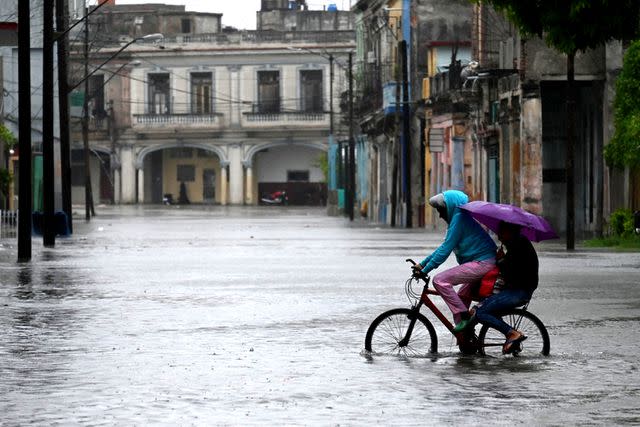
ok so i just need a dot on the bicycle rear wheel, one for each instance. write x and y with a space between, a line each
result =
537 342
390 328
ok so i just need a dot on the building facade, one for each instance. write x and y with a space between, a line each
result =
219 117
392 94
505 133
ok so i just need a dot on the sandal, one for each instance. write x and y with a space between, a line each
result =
510 345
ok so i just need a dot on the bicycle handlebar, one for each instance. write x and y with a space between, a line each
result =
417 273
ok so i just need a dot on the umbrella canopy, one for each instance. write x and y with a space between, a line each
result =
534 227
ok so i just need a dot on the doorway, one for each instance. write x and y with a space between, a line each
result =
208 185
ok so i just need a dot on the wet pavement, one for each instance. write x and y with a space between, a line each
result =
244 316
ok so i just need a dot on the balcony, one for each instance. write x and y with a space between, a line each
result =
265 37
296 118
183 120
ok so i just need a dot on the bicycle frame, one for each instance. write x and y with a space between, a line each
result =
426 301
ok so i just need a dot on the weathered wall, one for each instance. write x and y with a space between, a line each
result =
139 20
544 63
310 20
443 20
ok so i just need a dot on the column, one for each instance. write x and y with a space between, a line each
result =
234 91
223 183
248 170
236 175
531 136
140 185
457 163
128 174
117 196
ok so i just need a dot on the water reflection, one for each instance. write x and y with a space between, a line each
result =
258 316
38 327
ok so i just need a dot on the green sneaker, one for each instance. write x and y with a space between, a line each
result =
462 325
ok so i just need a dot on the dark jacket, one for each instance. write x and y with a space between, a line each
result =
519 266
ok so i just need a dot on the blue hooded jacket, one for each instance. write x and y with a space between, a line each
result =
465 237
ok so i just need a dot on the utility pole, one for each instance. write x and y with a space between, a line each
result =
331 96
25 202
62 19
88 195
48 178
570 153
352 148
395 146
406 137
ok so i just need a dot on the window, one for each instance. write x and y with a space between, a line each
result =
268 91
159 97
77 175
201 93
186 173
300 176
186 25
77 168
311 91
180 153
95 102
205 154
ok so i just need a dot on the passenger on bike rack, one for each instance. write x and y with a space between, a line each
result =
475 252
519 273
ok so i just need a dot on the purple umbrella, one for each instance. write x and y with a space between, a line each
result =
534 227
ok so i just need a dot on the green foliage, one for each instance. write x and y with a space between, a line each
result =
322 162
621 223
622 234
624 148
7 137
573 25
6 178
631 243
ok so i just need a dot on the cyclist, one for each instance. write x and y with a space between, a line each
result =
474 249
519 275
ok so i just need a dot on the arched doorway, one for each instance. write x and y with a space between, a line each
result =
181 174
297 168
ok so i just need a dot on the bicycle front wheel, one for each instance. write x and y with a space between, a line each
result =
387 334
537 342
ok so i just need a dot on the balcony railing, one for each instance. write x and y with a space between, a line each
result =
266 36
159 120
289 116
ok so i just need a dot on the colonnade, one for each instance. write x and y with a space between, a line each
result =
236 177
236 174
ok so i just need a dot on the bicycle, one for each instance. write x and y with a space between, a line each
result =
406 331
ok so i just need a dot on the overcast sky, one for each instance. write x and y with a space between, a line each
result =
236 13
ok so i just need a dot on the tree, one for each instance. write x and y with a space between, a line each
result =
624 148
570 26
7 138
9 141
6 178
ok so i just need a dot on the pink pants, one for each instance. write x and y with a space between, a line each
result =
467 275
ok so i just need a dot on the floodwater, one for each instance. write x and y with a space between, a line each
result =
245 316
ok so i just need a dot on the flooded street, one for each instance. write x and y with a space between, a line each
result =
248 316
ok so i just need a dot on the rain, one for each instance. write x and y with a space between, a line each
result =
257 315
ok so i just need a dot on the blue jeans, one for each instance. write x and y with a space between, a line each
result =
508 298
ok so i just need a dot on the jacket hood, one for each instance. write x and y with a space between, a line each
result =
453 199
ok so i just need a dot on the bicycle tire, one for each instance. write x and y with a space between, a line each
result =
537 342
389 328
